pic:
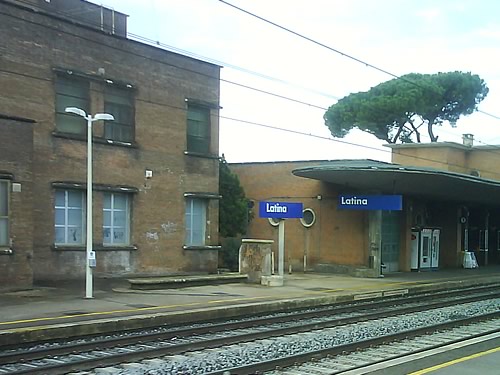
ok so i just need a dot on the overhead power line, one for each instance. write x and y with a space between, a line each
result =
230 82
367 64
267 126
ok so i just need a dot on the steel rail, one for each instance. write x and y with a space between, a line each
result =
130 355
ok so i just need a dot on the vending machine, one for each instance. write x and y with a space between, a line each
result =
424 249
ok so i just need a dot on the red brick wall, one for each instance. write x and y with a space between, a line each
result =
34 45
16 155
337 237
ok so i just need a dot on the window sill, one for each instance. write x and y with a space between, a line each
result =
202 247
6 252
68 248
201 155
95 248
83 138
115 248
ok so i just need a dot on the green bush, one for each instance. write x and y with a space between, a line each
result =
229 254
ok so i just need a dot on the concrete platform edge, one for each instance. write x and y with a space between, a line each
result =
131 322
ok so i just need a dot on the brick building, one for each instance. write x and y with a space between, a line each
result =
155 167
449 196
16 202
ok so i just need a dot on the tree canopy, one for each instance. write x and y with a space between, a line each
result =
233 207
395 110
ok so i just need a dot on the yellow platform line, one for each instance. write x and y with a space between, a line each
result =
450 363
163 307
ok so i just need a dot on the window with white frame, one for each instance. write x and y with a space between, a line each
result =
69 217
4 213
196 213
116 219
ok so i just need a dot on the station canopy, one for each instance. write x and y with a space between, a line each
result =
375 177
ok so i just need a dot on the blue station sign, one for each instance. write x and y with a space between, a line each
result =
280 210
371 202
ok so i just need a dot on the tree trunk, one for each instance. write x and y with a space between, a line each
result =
415 130
431 133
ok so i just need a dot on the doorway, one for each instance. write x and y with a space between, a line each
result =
391 233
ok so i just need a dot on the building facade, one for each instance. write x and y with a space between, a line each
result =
449 196
16 202
155 167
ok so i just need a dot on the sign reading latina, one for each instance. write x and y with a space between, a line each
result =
280 210
371 202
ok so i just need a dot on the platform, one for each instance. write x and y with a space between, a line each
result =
59 310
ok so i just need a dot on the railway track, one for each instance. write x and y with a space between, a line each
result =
380 350
85 354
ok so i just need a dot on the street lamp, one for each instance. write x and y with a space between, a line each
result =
90 120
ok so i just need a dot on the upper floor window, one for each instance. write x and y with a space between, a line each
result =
119 103
198 129
69 220
4 213
196 213
116 219
71 92
94 94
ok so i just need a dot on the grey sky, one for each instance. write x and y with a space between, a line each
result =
399 36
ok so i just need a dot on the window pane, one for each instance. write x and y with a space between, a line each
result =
60 194
120 202
106 232
68 101
106 218
75 236
119 236
195 222
4 208
75 217
107 200
4 233
198 129
73 87
119 219
118 96
198 113
71 124
197 144
60 236
121 113
74 198
60 216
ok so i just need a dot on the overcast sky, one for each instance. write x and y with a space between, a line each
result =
398 36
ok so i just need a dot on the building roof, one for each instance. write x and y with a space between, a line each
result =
369 176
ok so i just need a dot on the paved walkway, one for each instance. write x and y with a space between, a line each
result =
57 307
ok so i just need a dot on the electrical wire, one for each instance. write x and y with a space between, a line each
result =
367 64
271 127
229 118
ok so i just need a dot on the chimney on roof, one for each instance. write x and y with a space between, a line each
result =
468 140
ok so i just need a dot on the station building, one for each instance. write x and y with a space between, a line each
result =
155 167
449 196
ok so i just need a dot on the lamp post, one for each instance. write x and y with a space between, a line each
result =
90 120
